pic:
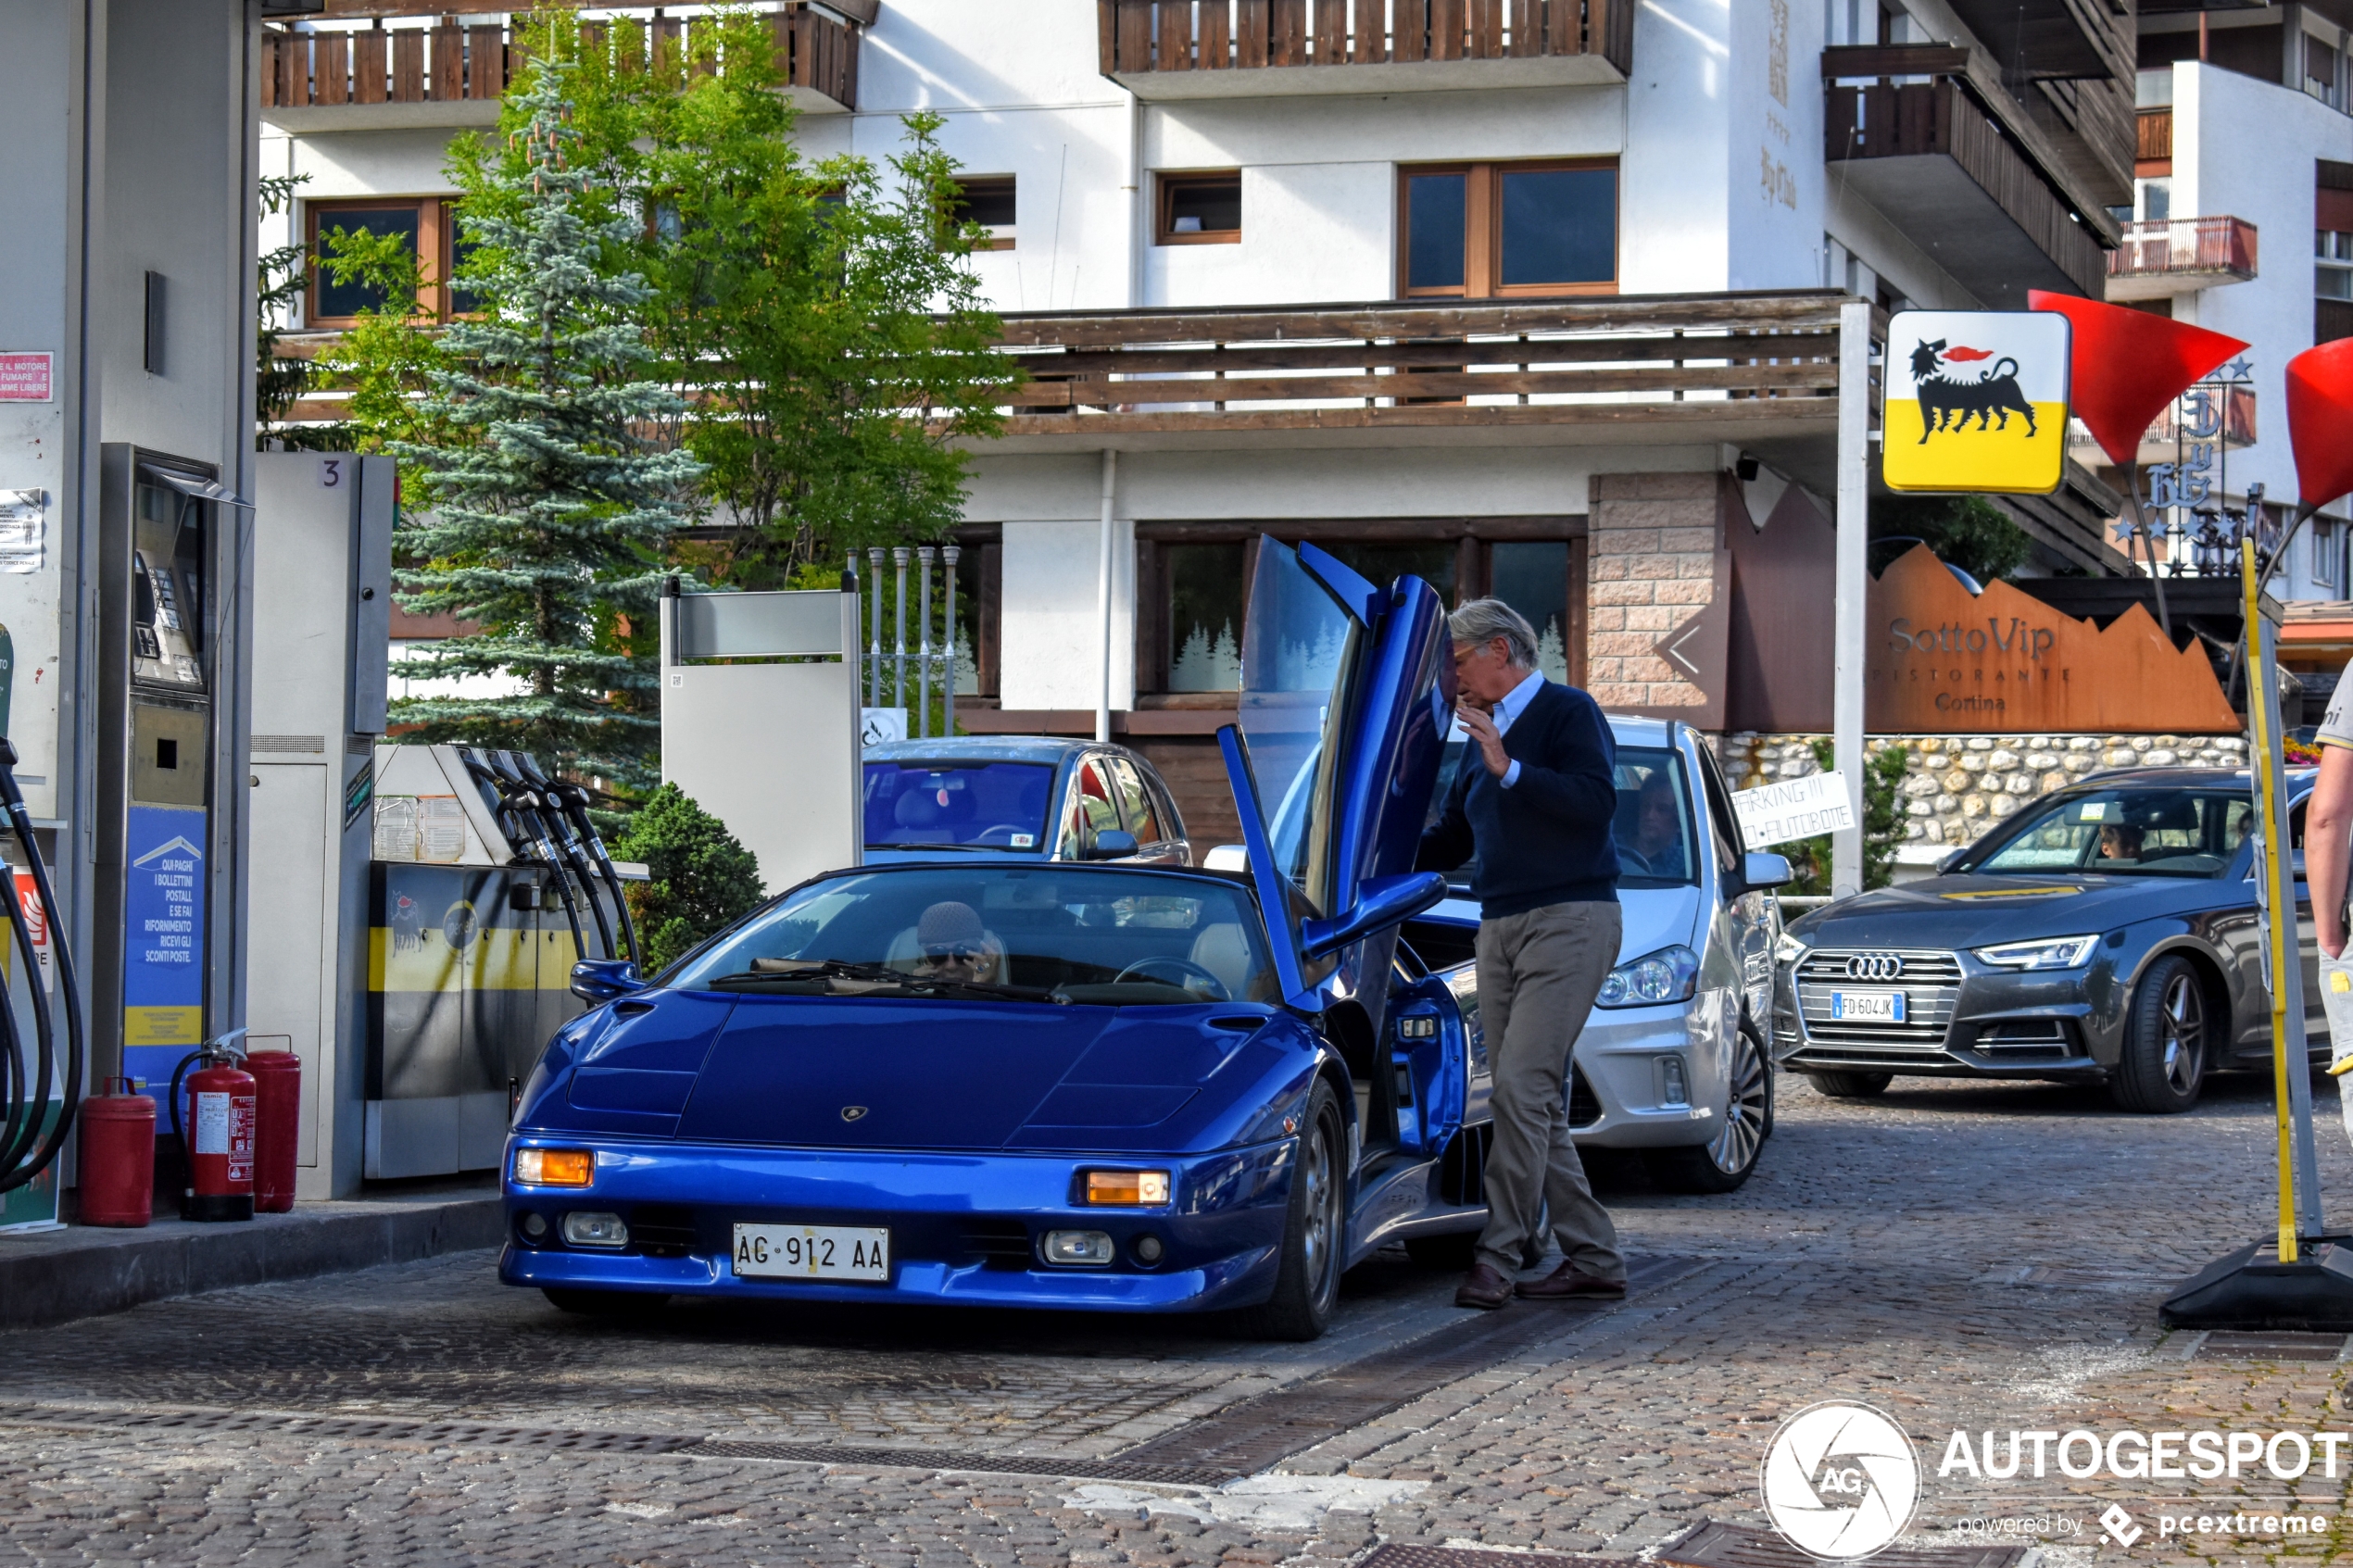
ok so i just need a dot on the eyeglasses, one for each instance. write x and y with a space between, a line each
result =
959 951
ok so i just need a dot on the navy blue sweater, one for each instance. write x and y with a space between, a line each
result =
1547 839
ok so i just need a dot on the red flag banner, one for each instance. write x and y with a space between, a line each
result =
2128 365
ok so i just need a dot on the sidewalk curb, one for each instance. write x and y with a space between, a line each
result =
50 1279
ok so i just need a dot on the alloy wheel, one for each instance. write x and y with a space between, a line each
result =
1735 1146
1318 1241
2185 1033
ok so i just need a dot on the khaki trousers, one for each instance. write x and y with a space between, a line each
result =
1538 975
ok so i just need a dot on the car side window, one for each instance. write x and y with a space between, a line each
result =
1093 808
1135 802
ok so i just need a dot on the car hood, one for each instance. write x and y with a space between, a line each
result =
1963 912
873 1073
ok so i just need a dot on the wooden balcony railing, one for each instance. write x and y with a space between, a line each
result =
2186 246
1727 358
448 63
1944 115
1141 36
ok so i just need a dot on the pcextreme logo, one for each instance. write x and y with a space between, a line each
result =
1841 1481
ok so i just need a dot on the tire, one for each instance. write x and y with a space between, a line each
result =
1850 1085
1756 1040
2167 1044
605 1303
1724 1163
1453 1252
1307 1285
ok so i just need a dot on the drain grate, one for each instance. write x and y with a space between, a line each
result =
1247 1437
1395 1556
1710 1545
350 1429
982 1464
2238 1346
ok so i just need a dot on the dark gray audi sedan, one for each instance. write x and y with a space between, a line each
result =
2107 933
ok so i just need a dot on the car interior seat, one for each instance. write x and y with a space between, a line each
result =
1223 950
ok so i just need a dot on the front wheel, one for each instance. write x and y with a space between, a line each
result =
2162 1066
1307 1285
1725 1162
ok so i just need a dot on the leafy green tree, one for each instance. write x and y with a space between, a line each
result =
1969 532
545 508
282 272
700 877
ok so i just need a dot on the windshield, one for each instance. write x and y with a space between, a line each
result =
2121 832
1042 932
983 805
1653 824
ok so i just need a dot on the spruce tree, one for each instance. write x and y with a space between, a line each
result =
547 503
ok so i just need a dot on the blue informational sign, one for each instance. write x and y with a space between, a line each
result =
163 946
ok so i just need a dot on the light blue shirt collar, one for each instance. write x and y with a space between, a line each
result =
1515 700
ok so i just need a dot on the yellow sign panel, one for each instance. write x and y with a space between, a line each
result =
1976 401
162 1026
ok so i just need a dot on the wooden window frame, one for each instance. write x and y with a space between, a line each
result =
1167 182
1474 577
436 243
998 238
1483 229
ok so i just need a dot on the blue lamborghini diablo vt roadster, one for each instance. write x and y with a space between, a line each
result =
1122 1087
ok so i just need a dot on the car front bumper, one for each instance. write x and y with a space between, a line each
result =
965 1228
1966 1019
1619 1098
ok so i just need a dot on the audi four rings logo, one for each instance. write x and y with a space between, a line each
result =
1875 966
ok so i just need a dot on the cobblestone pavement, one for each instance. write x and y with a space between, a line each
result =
1964 1257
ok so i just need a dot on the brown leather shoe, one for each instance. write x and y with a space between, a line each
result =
1570 1281
1483 1287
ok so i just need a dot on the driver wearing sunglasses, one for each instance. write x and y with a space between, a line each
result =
952 943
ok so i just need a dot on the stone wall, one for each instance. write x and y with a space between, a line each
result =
1652 541
1956 786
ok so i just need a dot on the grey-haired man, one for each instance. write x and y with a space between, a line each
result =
1535 796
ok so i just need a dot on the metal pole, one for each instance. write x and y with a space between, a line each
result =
1102 596
873 617
1852 581
923 654
898 654
949 552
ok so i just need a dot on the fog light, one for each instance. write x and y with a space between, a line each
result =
1148 1250
1126 1188
535 1227
1672 1089
1089 1249
584 1229
555 1167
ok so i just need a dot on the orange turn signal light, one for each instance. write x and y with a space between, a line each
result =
1129 1188
555 1167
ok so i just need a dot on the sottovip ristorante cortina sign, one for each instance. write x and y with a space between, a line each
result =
1942 660
1976 401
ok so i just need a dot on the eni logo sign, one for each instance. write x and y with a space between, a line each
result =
2004 662
1976 401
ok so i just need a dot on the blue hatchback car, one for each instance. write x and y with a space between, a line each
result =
1016 1083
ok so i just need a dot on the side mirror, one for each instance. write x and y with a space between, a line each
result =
1946 865
1382 902
1112 844
596 981
1227 857
1761 869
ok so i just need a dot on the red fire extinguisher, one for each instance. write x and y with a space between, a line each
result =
277 1107
220 1145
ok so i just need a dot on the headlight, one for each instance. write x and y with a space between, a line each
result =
555 1167
1671 974
1789 950
2053 952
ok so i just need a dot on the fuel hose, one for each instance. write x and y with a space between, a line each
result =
574 801
26 1149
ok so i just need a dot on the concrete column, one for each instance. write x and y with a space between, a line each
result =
1651 559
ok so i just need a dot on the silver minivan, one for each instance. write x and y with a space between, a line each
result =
1673 1063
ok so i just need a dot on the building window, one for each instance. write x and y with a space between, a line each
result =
1200 208
1483 229
427 226
2332 264
2320 72
2156 198
1196 579
2328 548
986 200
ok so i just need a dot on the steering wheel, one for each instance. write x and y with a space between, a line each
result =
1143 968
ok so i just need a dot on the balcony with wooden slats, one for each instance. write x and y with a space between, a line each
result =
385 78
1758 368
1930 139
1167 49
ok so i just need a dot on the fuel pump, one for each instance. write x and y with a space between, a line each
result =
524 826
571 840
573 800
26 1147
